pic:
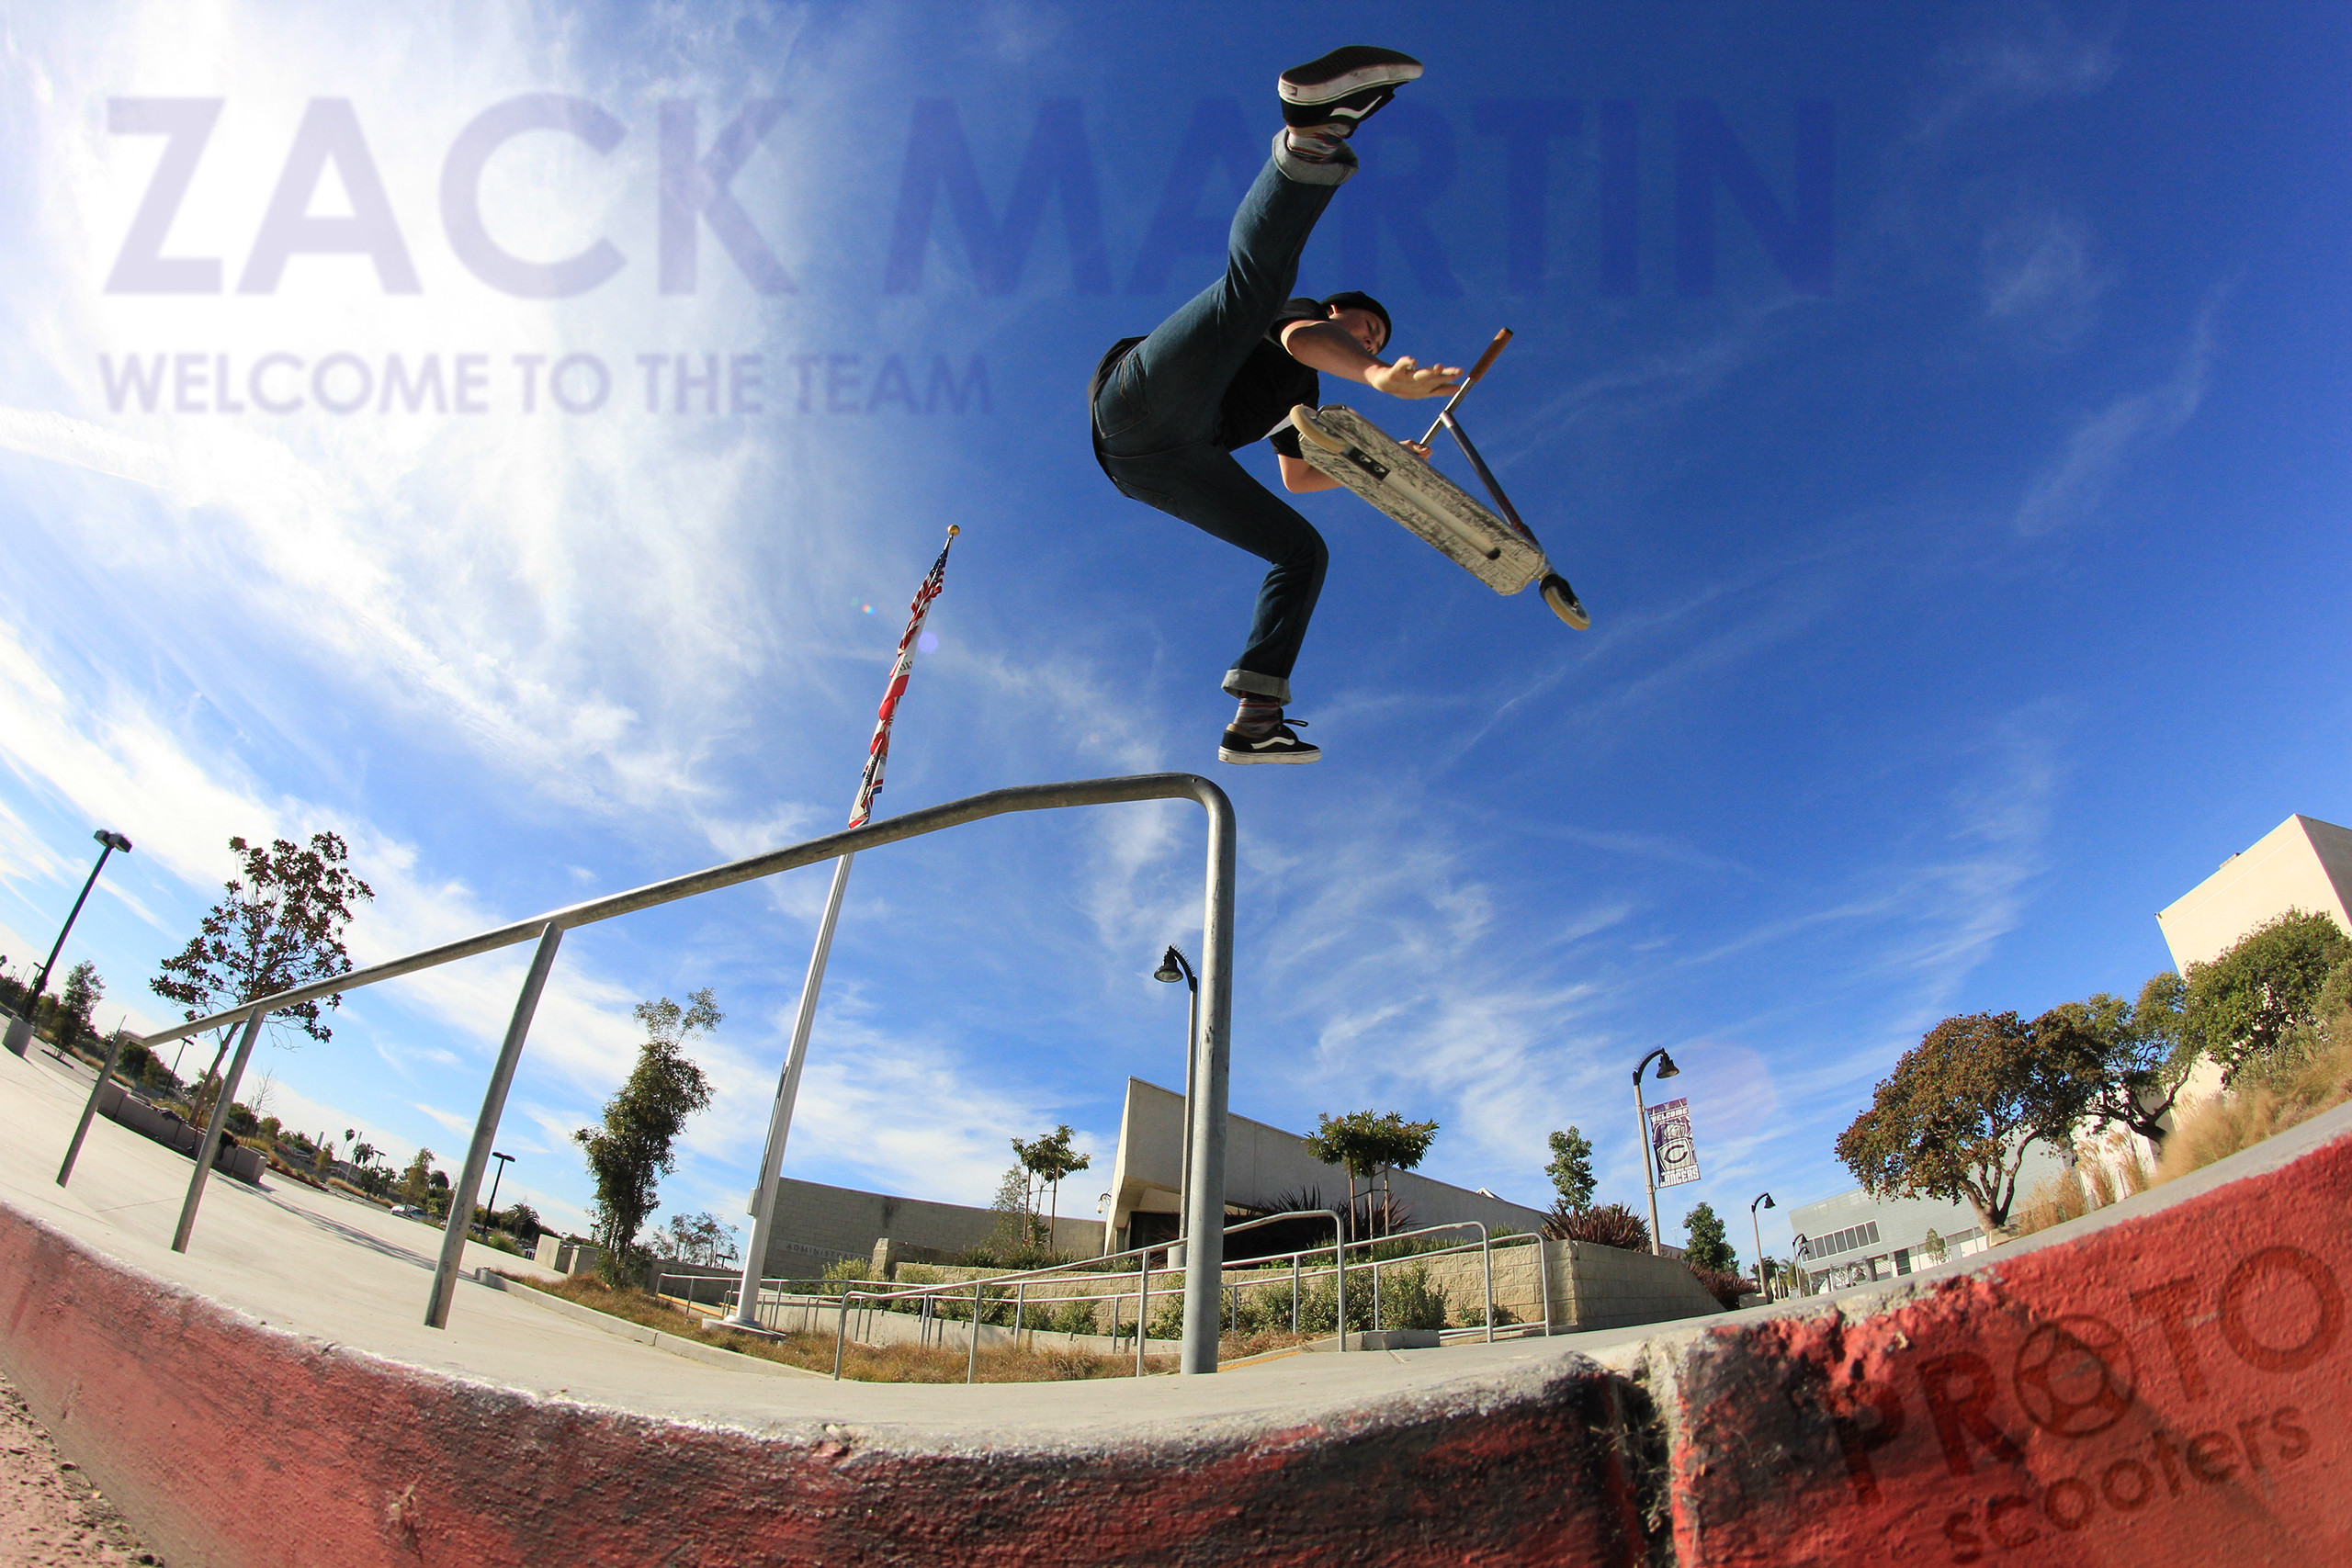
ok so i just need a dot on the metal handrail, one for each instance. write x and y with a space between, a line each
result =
1210 1047
847 1296
1020 1277
928 1295
1486 1253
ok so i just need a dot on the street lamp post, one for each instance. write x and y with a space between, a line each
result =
20 1031
1103 1208
1761 1283
491 1213
1173 966
1665 1069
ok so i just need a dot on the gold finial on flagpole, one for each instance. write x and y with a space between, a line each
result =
952 530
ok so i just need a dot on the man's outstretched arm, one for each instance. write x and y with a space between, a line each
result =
1328 347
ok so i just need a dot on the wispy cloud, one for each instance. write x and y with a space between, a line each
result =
2039 276
2023 55
2073 486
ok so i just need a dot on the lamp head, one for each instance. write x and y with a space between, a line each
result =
112 840
1665 1068
495 1154
1766 1201
1170 967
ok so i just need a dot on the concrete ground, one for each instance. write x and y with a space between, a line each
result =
343 1271
2167 1381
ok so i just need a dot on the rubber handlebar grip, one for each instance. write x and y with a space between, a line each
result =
1487 359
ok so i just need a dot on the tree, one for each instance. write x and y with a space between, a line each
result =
416 1181
1955 1118
1707 1247
2250 1003
1365 1143
263 1094
1571 1169
280 926
1048 1158
1016 1225
83 988
633 1148
2145 1054
325 1160
696 1238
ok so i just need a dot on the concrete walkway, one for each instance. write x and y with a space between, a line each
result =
345 1272
2167 1382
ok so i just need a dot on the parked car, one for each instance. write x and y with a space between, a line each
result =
408 1210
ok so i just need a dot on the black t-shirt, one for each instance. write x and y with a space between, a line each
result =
1258 399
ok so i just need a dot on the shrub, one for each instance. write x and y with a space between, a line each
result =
846 1272
2264 1101
1725 1287
1009 1254
1610 1224
1286 1235
1408 1299
1071 1318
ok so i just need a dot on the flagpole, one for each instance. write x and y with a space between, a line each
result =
763 1196
788 1090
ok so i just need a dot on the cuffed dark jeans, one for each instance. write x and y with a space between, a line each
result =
1157 414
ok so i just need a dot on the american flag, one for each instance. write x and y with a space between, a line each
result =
877 751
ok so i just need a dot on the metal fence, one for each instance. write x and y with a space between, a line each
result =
1013 1295
1210 1047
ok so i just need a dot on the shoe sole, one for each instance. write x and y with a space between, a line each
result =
1385 73
1247 757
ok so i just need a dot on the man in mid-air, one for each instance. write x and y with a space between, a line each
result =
1170 410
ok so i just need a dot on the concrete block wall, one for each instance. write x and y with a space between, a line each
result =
564 1255
815 1224
1592 1286
245 1164
1607 1287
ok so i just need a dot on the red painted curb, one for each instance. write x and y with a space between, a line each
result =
2172 1388
233 1444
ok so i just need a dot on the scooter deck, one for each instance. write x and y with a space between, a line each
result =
1342 443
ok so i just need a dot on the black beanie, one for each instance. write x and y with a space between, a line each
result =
1357 299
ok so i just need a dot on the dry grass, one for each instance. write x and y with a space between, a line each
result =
2258 1107
890 1363
2107 1172
1233 1346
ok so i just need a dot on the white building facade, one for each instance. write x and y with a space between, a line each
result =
2303 864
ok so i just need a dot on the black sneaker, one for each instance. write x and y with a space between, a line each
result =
1280 744
1345 87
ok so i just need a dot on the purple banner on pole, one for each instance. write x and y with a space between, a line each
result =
1673 1152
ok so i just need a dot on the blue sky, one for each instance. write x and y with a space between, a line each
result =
1963 525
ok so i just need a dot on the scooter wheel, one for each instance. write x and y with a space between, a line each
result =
1564 602
1302 419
